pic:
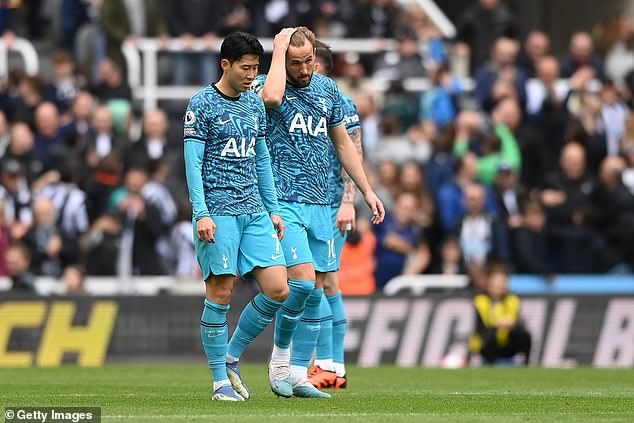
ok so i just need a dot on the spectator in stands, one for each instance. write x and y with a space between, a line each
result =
69 201
567 197
51 250
29 97
536 47
141 227
510 196
530 247
74 280
49 138
480 25
411 180
111 83
370 121
374 19
483 236
356 276
80 128
123 21
439 103
386 184
500 70
403 63
451 262
237 16
439 169
22 150
615 41
612 117
614 214
16 198
451 203
500 146
581 55
426 33
101 245
65 84
188 20
401 249
546 88
154 144
18 263
499 335
103 140
105 178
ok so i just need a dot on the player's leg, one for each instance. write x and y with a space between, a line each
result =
319 236
301 283
339 326
329 355
259 257
218 263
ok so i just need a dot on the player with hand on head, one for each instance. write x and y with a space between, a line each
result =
329 370
237 223
304 117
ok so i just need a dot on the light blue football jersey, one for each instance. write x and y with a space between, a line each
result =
297 136
229 128
335 180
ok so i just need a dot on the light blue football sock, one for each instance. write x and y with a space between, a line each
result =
324 343
339 326
305 338
214 334
254 318
288 315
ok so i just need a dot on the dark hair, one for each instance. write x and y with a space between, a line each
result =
323 54
237 44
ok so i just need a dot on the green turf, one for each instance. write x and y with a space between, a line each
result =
168 393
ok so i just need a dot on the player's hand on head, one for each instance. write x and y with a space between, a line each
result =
346 218
278 224
206 227
283 38
378 211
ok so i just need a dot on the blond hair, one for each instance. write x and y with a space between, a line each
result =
301 35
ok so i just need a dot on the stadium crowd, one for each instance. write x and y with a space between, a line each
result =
532 167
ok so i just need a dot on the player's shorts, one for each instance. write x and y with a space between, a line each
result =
242 242
338 239
308 235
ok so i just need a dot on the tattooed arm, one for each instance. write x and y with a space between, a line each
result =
346 216
349 188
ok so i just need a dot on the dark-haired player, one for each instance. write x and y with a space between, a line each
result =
236 215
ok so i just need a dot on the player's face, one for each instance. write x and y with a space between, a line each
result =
300 64
242 72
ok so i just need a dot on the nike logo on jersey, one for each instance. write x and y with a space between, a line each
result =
221 122
289 98
276 256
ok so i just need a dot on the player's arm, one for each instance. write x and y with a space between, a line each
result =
194 153
272 92
349 158
346 216
266 185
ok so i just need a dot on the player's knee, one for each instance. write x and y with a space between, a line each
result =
220 294
278 293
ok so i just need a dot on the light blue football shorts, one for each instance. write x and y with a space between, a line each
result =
339 240
308 235
242 242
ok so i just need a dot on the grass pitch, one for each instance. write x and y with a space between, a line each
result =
170 393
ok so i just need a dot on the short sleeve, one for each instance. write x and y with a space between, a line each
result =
336 115
261 118
258 83
195 125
